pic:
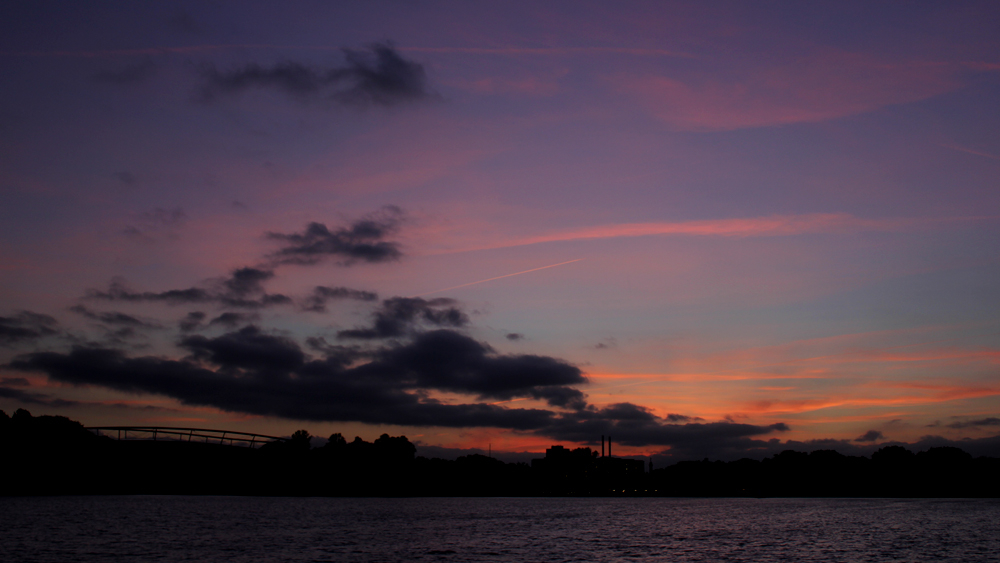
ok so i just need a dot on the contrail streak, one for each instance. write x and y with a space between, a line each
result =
970 151
498 277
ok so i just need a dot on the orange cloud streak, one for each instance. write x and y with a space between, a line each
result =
943 394
772 226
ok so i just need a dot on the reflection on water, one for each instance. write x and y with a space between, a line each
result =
496 529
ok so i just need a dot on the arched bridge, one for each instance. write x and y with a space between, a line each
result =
207 435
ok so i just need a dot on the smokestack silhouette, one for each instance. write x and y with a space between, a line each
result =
609 446
602 445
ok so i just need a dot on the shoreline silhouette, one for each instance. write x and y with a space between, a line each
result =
54 455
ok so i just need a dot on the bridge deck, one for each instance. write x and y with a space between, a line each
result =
176 433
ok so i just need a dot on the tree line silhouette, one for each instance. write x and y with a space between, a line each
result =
53 455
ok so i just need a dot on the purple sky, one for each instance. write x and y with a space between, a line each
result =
703 228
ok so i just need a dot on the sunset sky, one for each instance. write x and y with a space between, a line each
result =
707 229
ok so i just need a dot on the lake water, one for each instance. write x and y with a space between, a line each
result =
61 529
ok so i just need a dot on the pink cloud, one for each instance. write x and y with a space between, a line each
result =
810 89
775 225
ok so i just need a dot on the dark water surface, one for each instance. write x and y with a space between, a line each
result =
61 529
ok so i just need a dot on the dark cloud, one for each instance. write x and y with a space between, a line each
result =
450 361
15 382
991 421
317 301
634 425
25 326
336 355
252 372
113 318
134 73
565 397
29 398
399 316
196 319
242 289
379 76
870 436
288 77
247 349
514 336
246 281
118 291
130 406
319 344
362 241
681 418
124 336
26 397
606 344
231 319
191 321
382 77
264 300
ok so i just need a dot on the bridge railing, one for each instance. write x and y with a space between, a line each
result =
206 435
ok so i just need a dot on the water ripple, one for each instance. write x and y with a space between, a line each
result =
168 529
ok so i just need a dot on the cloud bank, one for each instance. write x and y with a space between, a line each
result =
255 372
410 363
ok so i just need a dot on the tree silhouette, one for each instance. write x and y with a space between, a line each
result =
56 455
301 440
